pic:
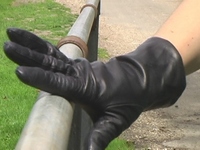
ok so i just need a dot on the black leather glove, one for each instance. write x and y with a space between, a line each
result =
118 91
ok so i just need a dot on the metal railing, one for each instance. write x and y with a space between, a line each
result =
54 123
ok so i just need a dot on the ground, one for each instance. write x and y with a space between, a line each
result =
151 129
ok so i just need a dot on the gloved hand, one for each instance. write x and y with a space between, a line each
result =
117 92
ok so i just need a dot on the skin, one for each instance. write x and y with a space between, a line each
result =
182 29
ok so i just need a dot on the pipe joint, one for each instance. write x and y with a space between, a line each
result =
76 41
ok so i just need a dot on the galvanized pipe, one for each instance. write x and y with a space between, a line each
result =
81 28
49 124
83 24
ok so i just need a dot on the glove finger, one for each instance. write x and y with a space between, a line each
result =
35 43
27 39
22 55
55 83
26 57
104 131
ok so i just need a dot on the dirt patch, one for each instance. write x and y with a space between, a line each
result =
74 5
19 2
151 130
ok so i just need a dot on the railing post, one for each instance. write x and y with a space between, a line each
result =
93 38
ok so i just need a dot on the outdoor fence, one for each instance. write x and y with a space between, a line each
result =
54 123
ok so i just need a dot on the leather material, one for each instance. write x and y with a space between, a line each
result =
117 92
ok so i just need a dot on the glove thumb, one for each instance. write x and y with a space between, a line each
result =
103 132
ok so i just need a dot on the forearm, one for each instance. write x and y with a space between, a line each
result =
182 29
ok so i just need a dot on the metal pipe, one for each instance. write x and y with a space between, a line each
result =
82 27
84 22
49 124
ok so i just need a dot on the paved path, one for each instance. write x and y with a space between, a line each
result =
147 16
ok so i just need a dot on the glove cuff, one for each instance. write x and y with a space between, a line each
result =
160 72
172 79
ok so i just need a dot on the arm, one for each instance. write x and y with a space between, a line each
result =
118 91
182 29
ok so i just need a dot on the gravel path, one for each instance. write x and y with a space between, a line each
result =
152 128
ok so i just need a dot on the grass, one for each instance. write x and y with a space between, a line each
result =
51 21
103 54
119 144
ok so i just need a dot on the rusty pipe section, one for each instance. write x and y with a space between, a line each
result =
78 36
49 123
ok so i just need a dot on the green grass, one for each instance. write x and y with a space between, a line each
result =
51 21
119 144
103 54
